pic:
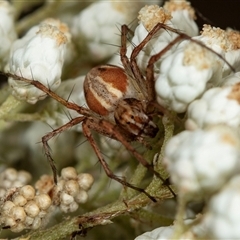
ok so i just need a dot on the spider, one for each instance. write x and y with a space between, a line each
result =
121 103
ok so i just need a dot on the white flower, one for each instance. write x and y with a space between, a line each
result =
96 26
41 58
175 14
148 17
73 189
222 216
226 43
7 31
70 191
185 75
31 33
183 16
216 106
200 162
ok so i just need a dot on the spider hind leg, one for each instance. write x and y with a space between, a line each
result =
87 126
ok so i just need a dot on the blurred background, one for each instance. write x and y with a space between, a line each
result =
219 13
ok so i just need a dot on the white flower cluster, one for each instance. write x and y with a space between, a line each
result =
169 14
38 55
71 189
188 69
216 106
192 69
200 162
95 26
184 77
10 178
203 161
221 220
25 207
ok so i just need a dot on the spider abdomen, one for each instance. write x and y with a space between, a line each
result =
104 86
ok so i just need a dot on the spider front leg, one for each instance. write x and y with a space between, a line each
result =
87 126
52 134
156 57
146 85
50 93
131 70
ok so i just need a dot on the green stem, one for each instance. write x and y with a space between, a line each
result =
168 124
151 217
136 179
101 216
9 112
10 104
180 227
22 117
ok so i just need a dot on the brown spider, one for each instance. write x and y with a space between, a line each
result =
121 103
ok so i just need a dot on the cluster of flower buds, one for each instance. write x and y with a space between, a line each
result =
25 207
11 178
70 191
22 209
99 28
46 44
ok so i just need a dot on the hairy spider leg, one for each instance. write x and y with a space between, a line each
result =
70 105
52 134
181 36
90 124
146 85
115 133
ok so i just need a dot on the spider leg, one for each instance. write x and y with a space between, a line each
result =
103 126
49 92
131 65
123 49
150 71
185 36
131 69
89 125
52 134
156 57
